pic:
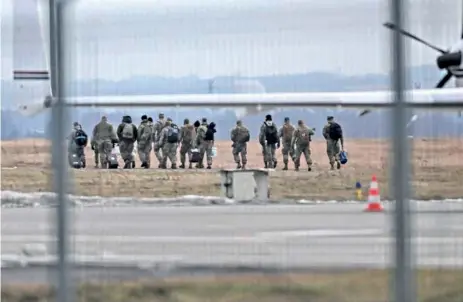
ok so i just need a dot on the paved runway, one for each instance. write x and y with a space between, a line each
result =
306 236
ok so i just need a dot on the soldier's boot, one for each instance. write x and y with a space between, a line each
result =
190 166
243 167
143 164
173 167
209 167
127 165
238 165
275 164
182 166
266 165
147 166
332 166
338 165
309 168
286 166
296 167
133 165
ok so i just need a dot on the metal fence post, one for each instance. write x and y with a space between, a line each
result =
403 281
60 180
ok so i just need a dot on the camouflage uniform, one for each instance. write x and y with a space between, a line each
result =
160 124
205 147
169 150
96 156
104 136
286 134
268 150
145 136
126 145
240 137
332 146
187 136
302 137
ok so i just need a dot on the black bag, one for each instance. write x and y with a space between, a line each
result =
81 138
335 131
172 134
113 162
76 161
195 156
271 134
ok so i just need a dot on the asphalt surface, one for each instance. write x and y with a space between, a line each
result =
132 242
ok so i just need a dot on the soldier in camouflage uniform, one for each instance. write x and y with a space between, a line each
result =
145 136
157 134
104 137
302 137
240 137
204 143
187 136
269 140
332 146
169 148
286 135
128 135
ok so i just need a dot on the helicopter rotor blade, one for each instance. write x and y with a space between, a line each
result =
412 36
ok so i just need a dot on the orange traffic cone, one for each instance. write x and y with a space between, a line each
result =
374 201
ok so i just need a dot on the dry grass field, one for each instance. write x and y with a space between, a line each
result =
360 286
437 172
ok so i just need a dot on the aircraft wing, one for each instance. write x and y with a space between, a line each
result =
254 103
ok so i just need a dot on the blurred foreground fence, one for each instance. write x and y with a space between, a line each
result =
403 281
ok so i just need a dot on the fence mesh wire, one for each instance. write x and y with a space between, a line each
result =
314 242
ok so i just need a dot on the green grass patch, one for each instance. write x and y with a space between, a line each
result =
368 286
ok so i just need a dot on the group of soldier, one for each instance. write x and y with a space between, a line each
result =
165 137
295 141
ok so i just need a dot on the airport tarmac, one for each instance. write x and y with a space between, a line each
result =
272 236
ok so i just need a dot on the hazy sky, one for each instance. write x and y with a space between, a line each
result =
114 40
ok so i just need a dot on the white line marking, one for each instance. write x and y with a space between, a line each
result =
317 239
128 239
320 233
9 260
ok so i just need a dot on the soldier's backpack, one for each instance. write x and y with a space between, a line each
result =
288 131
127 131
188 133
335 131
271 134
172 134
81 138
246 136
145 132
304 136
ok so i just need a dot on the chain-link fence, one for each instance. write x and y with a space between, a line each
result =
161 234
